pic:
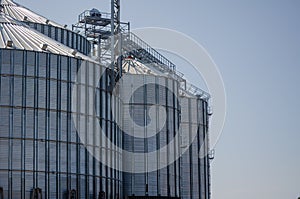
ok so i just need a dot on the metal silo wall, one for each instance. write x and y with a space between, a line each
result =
194 130
64 36
163 182
39 145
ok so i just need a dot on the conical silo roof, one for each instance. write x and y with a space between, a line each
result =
16 35
21 13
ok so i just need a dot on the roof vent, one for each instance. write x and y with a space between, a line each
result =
9 43
211 154
95 13
209 110
44 46
73 52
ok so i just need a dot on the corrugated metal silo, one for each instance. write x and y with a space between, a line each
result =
194 133
153 91
40 151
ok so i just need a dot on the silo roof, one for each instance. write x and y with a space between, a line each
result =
133 66
21 13
17 35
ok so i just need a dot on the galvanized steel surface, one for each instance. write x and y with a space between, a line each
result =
195 180
165 181
47 27
39 142
21 13
64 36
39 146
15 35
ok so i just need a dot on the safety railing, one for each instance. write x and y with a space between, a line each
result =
87 13
196 91
151 51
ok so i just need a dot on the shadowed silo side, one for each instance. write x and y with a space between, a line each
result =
47 27
194 132
40 151
153 92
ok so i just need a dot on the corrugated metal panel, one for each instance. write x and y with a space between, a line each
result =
41 115
4 122
64 96
193 112
16 154
162 96
48 141
18 62
30 86
17 91
4 180
5 91
53 94
28 184
29 155
25 38
30 63
41 156
52 156
4 147
16 184
42 93
194 171
170 92
162 182
19 12
151 87
52 186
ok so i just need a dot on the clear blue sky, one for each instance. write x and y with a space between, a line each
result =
256 45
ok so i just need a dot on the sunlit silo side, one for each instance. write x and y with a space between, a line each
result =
194 135
41 154
148 92
49 28
40 151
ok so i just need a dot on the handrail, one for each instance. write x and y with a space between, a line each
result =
151 51
196 91
168 66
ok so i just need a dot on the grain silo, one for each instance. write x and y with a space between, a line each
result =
187 114
148 131
194 162
43 151
41 154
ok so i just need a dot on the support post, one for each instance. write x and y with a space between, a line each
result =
115 38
